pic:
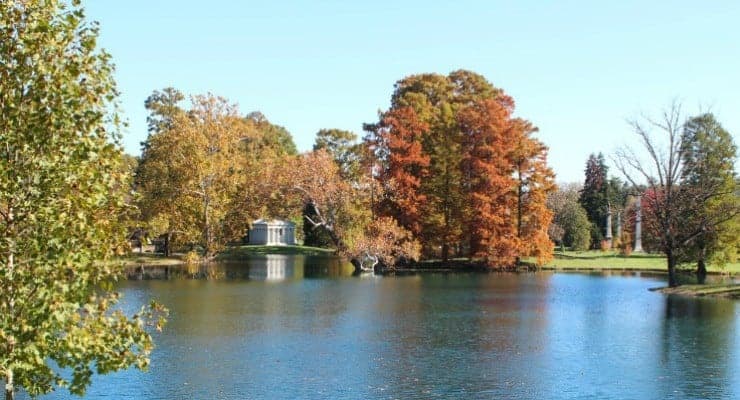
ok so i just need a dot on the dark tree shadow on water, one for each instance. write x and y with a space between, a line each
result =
696 340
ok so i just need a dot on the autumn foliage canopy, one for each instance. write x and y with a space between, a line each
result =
460 172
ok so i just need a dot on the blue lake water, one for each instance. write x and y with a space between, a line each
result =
298 328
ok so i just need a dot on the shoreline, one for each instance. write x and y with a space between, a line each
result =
722 290
579 262
727 291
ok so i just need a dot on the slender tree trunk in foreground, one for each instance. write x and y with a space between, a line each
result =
9 392
9 385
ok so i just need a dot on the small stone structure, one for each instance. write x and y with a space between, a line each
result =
638 224
275 232
608 229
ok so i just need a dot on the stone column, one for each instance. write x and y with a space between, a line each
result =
619 225
638 224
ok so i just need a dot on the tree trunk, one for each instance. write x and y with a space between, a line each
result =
672 281
520 195
328 229
207 222
445 252
701 269
9 389
167 244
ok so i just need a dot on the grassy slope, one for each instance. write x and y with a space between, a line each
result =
596 260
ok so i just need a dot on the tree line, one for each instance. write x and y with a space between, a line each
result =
447 171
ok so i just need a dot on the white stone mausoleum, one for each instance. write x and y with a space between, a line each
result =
274 232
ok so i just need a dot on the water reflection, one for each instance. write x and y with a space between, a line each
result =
276 267
234 333
267 267
697 358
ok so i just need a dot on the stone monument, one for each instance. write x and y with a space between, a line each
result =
638 224
608 233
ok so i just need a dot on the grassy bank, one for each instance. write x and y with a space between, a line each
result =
155 260
232 253
610 260
721 290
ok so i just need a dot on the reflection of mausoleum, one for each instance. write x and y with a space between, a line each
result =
274 232
275 267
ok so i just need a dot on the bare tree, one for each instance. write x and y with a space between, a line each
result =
658 168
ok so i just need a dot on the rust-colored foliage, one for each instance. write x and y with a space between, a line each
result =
487 169
458 171
535 180
404 165
508 181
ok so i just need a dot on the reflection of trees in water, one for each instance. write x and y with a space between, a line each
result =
269 267
326 266
400 307
457 322
511 313
211 271
697 334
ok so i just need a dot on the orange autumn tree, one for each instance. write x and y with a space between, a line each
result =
534 181
461 172
403 165
487 169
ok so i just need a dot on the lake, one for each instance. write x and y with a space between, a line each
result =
294 327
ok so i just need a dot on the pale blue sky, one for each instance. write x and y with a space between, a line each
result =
577 69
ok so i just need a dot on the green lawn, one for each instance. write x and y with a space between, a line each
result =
598 260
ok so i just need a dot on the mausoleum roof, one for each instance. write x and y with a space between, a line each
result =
273 222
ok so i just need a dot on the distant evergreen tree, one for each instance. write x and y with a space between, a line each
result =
595 196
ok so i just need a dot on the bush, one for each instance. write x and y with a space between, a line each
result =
575 223
191 257
625 244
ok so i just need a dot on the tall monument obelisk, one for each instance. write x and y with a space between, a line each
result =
638 224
